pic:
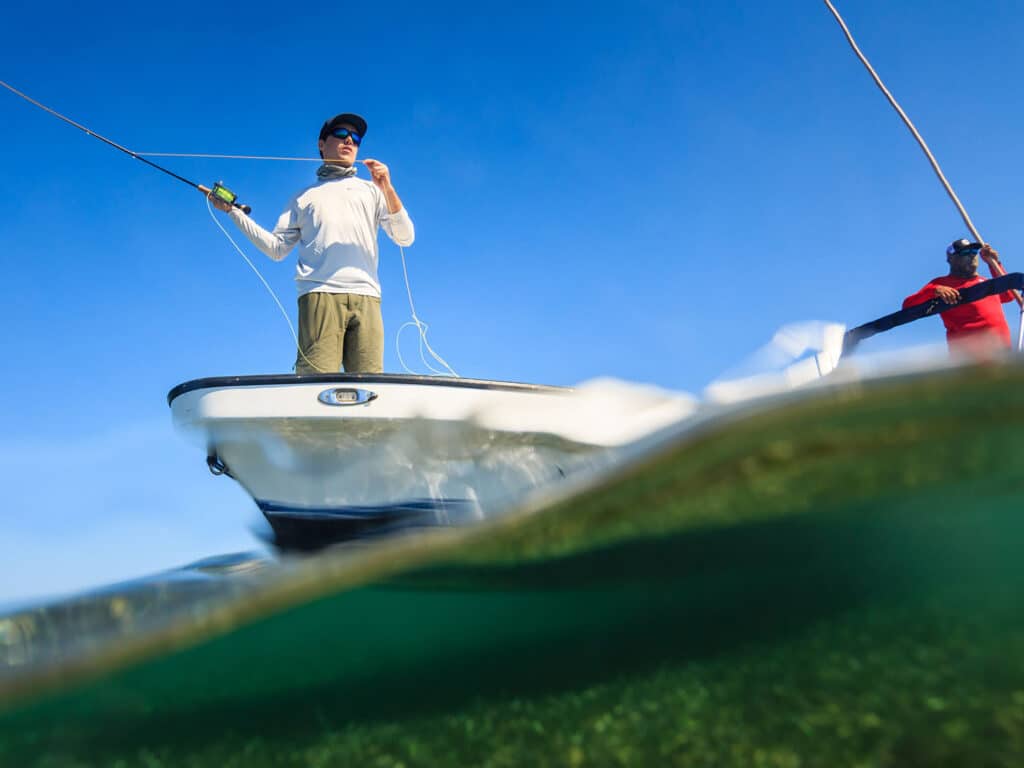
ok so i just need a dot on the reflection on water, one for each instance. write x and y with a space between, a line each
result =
71 628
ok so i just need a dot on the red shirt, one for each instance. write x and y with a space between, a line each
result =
984 316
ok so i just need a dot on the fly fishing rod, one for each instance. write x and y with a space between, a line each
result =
996 266
218 190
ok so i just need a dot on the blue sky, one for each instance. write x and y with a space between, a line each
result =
643 190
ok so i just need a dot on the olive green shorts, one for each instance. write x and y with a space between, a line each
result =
336 328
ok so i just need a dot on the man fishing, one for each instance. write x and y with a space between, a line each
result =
334 222
976 326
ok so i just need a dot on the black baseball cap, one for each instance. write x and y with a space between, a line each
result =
344 119
961 247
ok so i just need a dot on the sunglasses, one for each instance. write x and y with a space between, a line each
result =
345 133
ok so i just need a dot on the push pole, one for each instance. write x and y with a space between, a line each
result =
997 267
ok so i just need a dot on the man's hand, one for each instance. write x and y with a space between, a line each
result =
382 178
379 173
219 204
989 254
947 294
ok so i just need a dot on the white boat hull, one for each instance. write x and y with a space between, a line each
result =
329 457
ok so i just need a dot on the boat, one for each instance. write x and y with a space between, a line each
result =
334 457
812 352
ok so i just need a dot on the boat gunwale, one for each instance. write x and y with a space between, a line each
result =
278 379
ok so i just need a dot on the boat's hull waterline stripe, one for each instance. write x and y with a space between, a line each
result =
360 511
306 528
854 336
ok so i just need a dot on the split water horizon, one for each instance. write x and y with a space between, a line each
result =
823 579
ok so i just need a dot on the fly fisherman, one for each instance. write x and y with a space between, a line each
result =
334 222
979 326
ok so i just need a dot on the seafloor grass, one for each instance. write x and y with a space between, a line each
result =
879 688
834 583
905 684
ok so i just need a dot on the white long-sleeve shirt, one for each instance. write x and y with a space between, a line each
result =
335 225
